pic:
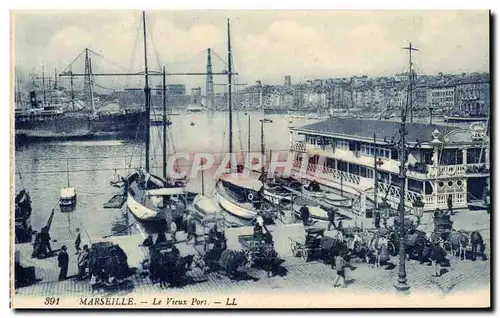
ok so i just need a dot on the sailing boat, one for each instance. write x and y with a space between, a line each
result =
203 206
149 197
67 200
239 195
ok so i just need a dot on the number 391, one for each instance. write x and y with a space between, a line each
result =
51 301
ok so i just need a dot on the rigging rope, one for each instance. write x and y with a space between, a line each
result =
109 61
72 62
222 60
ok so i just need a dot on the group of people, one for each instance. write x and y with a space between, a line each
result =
306 218
83 259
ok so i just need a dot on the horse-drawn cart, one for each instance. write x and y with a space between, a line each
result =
310 247
261 252
108 266
443 226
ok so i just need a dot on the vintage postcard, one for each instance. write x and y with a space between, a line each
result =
250 159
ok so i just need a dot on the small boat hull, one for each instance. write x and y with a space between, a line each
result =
338 201
203 206
232 207
141 212
313 194
276 198
315 211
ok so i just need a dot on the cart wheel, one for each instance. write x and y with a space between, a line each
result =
305 255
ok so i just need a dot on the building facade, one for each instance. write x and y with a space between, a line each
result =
442 97
340 153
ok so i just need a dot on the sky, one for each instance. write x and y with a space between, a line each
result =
267 45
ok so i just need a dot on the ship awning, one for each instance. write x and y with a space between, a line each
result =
242 181
166 191
68 193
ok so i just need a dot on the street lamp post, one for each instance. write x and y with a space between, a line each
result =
401 283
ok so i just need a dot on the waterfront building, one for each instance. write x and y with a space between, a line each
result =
442 97
340 152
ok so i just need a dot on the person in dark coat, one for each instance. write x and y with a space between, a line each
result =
450 204
331 218
377 218
304 215
83 261
191 229
161 238
63 261
45 240
340 227
78 241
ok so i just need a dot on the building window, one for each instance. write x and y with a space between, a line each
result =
343 144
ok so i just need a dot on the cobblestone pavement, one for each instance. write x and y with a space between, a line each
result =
314 276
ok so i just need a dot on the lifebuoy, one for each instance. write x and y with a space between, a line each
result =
451 170
250 196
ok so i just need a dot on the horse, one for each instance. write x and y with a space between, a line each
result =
331 247
477 242
459 241
231 260
268 259
434 253
416 241
379 245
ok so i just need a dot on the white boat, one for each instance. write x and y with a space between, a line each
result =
313 194
276 194
152 199
239 195
204 206
149 197
337 200
315 211
67 200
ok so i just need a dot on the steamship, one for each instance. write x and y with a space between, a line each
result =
51 120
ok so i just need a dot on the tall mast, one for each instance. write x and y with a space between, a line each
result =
229 79
209 85
72 90
409 105
55 78
248 154
91 87
43 85
147 90
164 124
202 180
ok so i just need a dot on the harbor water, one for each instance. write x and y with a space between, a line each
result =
89 166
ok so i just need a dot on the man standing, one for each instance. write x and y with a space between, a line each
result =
190 229
304 215
78 241
45 241
63 261
377 218
340 267
450 205
331 218
83 261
